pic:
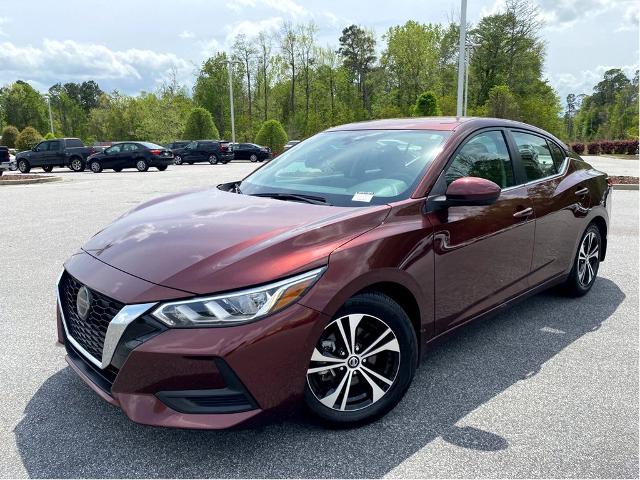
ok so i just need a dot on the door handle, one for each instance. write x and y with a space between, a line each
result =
582 191
523 213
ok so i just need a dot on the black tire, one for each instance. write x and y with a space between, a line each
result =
95 166
24 166
117 169
161 168
585 264
190 163
177 160
379 311
47 168
213 159
142 165
77 164
253 158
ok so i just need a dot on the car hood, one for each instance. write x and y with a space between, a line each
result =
211 241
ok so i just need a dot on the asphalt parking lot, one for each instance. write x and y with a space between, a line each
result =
548 389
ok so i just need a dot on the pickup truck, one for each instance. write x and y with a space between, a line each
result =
60 152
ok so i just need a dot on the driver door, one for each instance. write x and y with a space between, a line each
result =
482 253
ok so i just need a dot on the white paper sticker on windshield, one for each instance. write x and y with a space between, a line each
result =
362 197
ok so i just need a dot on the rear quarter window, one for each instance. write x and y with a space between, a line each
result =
74 142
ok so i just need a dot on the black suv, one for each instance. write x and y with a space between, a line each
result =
177 144
212 151
60 152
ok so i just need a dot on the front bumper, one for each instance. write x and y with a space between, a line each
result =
206 378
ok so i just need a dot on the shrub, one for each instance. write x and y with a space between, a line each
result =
577 147
632 147
49 136
200 125
593 148
28 138
427 105
620 146
272 135
9 136
606 147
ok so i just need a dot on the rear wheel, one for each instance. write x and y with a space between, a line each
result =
117 169
142 165
47 168
77 164
213 159
177 160
95 166
162 168
363 362
24 166
586 263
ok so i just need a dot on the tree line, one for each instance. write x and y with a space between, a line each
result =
287 76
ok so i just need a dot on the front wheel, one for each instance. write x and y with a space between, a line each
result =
253 158
24 166
586 263
177 160
117 169
95 167
161 168
77 165
363 362
47 168
142 165
213 159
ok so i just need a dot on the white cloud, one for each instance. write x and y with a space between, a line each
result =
252 28
3 21
290 7
583 82
67 60
186 34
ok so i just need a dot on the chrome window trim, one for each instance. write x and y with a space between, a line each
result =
115 330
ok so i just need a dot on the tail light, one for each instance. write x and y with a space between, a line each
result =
155 152
610 181
224 148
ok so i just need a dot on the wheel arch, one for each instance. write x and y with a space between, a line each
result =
601 223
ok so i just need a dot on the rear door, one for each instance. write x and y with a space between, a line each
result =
241 151
560 200
129 154
482 253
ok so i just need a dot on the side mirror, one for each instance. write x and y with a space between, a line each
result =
469 191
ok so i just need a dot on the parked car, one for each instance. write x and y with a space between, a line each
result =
60 152
251 152
5 159
139 155
290 144
212 151
322 276
177 144
100 146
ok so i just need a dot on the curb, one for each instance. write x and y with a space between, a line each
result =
625 186
28 181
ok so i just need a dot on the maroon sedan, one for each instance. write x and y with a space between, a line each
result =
323 275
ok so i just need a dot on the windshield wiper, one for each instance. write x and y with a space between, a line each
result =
294 196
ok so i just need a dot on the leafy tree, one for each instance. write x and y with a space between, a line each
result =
22 105
49 136
200 125
272 135
357 49
427 105
9 136
502 103
28 138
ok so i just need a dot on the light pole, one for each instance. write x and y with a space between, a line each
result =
469 49
48 97
233 117
461 55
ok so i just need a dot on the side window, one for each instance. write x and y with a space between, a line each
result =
535 154
485 156
130 147
115 148
558 155
192 146
43 147
54 146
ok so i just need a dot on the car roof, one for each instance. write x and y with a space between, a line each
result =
440 123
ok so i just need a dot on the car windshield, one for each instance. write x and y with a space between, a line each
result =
152 146
350 168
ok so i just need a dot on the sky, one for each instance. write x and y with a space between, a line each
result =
132 45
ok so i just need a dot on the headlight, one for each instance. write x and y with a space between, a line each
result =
237 307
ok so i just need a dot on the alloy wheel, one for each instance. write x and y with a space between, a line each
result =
76 165
141 165
95 167
177 160
253 158
354 363
588 258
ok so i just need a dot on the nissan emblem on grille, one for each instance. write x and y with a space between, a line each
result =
83 302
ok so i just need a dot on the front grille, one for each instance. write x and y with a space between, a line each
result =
88 333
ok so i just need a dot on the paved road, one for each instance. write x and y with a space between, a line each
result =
549 389
615 166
